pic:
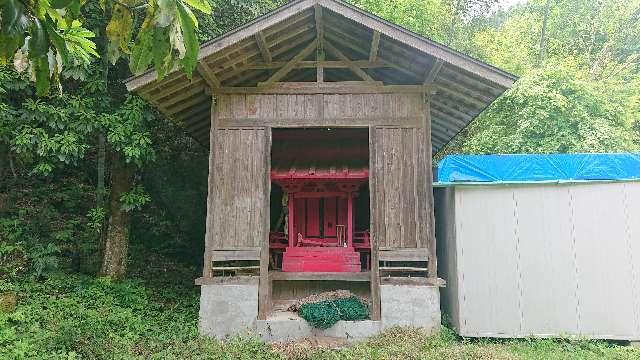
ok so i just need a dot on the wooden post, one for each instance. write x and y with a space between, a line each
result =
432 261
350 228
375 272
206 268
292 236
264 287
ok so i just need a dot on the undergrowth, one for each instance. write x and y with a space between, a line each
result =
82 317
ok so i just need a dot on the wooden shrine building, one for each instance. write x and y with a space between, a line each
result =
321 120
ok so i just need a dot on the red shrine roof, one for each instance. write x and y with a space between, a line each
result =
320 154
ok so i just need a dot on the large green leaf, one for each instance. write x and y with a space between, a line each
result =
39 42
188 25
142 52
57 40
202 5
60 4
41 72
13 25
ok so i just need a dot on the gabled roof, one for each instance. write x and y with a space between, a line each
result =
461 86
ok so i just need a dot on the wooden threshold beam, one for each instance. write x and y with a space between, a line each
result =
358 71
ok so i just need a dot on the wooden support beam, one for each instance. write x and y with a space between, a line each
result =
342 87
291 64
374 177
339 38
207 74
432 262
320 43
375 44
358 71
262 45
264 287
433 72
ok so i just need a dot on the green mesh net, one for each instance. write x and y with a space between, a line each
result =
324 314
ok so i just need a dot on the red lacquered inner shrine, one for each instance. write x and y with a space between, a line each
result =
321 175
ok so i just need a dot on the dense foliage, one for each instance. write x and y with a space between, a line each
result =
61 154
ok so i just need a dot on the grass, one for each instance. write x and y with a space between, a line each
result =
82 317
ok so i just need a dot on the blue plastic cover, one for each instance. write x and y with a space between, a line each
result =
538 167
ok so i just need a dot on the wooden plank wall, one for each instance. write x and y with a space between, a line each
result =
400 204
399 190
346 110
238 190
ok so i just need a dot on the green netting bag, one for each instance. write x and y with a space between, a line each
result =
324 314
352 309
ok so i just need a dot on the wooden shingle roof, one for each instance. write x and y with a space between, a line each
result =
375 49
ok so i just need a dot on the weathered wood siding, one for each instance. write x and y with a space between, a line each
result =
400 201
349 110
238 201
400 142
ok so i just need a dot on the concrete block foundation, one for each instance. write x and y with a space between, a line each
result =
410 305
228 309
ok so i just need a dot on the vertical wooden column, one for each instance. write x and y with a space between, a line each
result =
208 241
264 287
350 228
432 261
290 211
375 272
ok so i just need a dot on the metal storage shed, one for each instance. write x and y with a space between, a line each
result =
540 245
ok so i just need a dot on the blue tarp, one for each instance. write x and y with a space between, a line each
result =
538 167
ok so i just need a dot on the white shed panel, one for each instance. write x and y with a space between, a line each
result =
541 259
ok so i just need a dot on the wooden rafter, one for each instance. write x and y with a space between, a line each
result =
208 76
262 45
339 38
319 42
358 71
433 72
375 44
278 75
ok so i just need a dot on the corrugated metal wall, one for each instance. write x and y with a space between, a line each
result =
560 259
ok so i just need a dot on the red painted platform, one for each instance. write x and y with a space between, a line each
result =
320 259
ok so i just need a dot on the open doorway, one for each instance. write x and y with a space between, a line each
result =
320 200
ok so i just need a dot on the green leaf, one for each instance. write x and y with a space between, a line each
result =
13 25
74 7
39 42
166 12
57 40
142 52
60 4
188 25
41 72
202 5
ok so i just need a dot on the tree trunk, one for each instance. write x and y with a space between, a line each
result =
543 34
114 262
4 159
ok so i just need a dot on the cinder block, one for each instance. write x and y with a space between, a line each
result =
227 309
410 305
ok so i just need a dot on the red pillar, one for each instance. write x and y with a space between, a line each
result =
292 236
350 219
